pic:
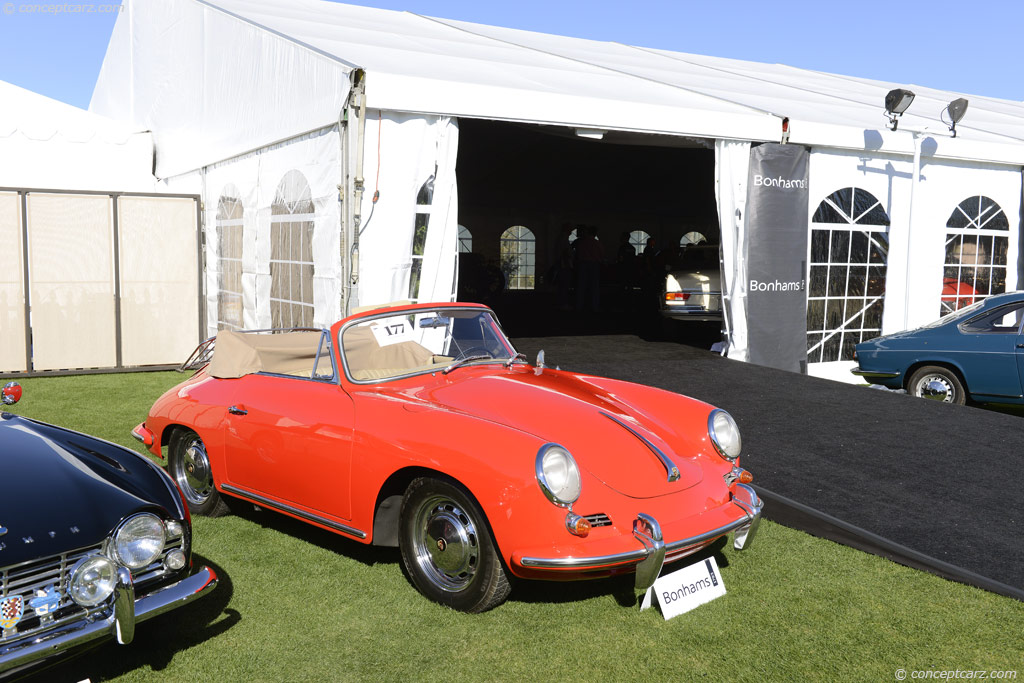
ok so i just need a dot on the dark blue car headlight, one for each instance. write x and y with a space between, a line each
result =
139 541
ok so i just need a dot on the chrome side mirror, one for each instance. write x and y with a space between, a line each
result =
11 393
539 365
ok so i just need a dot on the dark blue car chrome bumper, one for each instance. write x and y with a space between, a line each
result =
119 622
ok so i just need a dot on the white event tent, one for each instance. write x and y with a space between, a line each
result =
290 118
49 144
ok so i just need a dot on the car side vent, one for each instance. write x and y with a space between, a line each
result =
600 519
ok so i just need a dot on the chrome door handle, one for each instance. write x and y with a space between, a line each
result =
238 410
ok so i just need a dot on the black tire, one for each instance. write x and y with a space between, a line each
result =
447 548
189 466
938 384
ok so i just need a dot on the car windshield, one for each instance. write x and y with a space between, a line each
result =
385 346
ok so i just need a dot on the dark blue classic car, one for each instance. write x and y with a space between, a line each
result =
975 353
94 538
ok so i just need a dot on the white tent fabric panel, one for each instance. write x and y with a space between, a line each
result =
732 164
438 281
211 86
412 149
158 269
256 178
12 287
71 274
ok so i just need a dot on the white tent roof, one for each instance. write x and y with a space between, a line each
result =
52 145
421 64
40 118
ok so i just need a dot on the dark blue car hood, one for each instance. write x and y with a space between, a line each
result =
66 490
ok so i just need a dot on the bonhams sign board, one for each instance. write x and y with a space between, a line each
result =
777 200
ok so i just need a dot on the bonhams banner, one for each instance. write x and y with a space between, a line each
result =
777 200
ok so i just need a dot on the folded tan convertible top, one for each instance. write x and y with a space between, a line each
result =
237 354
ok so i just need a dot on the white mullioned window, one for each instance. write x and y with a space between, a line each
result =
849 251
465 240
424 201
229 243
519 257
638 240
291 253
977 239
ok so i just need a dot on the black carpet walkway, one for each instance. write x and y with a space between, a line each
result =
928 485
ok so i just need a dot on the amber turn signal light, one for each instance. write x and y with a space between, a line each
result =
677 296
577 526
745 477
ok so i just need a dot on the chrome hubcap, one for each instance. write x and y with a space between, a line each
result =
936 388
192 473
446 544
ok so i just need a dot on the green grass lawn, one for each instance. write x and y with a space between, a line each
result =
297 603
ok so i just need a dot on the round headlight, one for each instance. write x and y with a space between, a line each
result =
139 541
92 580
558 475
724 434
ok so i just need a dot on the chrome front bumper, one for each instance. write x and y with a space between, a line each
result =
117 621
873 373
651 557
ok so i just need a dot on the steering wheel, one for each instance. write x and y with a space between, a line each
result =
474 351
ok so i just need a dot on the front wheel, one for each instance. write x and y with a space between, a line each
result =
447 548
938 384
190 468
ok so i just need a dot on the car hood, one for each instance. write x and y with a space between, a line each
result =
613 441
65 490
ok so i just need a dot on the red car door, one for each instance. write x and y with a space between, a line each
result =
289 439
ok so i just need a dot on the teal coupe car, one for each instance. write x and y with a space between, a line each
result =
973 354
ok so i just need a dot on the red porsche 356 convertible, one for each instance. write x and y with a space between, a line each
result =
419 426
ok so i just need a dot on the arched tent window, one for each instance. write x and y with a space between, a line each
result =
291 253
846 290
229 244
518 257
424 200
465 240
977 238
692 237
638 240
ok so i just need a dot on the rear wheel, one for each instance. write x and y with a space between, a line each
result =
938 384
190 468
447 547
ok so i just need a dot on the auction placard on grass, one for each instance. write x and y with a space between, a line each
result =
776 222
687 588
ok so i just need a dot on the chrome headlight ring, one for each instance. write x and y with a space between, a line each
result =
558 475
139 540
724 434
93 580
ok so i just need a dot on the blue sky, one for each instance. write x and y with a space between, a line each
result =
51 48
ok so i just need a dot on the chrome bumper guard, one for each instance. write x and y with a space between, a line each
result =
651 558
120 623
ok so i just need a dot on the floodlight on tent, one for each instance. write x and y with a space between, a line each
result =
896 102
955 111
590 133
